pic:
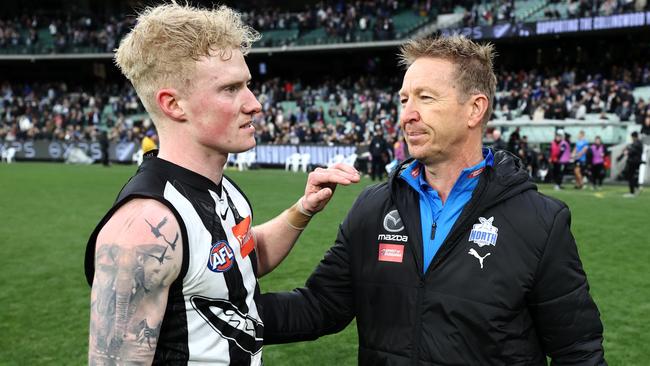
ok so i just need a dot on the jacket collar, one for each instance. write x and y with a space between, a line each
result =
499 182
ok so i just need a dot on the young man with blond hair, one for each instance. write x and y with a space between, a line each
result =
457 259
174 263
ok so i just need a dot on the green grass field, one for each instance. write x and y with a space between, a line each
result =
47 212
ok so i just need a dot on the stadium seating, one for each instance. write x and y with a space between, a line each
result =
293 162
406 22
138 157
338 158
542 13
245 160
350 159
8 154
278 38
524 10
305 160
278 30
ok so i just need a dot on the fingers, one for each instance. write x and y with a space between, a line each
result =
324 194
344 167
337 174
317 200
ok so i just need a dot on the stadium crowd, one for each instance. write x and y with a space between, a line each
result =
361 112
502 11
64 33
561 94
96 33
340 19
343 111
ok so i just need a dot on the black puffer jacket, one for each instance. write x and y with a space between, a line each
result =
506 287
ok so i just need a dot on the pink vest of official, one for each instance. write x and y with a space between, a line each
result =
597 154
566 155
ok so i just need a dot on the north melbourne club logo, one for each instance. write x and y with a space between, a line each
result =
484 233
392 222
221 257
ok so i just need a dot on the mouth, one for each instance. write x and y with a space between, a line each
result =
415 133
247 125
415 136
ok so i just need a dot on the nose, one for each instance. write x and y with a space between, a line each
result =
251 105
409 113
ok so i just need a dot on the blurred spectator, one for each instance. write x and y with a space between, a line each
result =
645 129
379 155
149 142
400 149
560 155
580 159
104 144
598 153
498 143
624 111
633 152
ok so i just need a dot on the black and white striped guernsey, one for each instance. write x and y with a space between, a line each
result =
211 315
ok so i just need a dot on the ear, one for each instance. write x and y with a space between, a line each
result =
479 105
168 102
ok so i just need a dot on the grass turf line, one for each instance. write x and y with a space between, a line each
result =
47 212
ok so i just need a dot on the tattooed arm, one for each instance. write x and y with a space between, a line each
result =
275 238
138 255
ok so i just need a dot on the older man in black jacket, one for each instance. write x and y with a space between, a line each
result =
457 259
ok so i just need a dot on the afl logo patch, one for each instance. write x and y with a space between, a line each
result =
392 222
221 257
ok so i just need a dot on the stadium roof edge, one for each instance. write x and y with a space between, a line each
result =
56 56
255 50
326 47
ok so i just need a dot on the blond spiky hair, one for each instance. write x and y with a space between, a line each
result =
167 40
474 64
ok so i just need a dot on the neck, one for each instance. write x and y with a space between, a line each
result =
207 163
442 175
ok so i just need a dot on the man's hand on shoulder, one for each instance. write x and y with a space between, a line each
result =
138 255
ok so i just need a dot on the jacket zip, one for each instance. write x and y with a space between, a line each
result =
448 244
418 322
465 220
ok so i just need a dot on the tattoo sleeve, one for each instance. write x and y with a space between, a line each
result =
129 297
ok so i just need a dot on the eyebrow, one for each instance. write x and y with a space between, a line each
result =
232 82
419 90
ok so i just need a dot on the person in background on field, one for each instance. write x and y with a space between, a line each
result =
514 141
498 143
379 154
580 159
104 144
598 153
645 129
634 153
149 141
560 155
527 156
399 154
400 149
